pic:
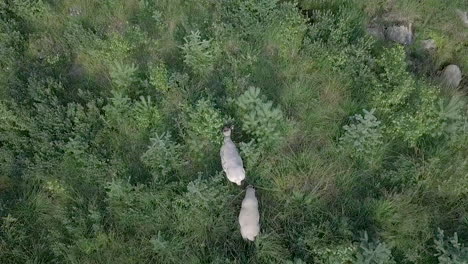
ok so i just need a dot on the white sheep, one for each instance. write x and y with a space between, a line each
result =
231 160
249 216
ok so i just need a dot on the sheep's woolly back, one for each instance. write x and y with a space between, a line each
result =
231 161
249 216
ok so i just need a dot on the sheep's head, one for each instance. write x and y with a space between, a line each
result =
227 131
250 189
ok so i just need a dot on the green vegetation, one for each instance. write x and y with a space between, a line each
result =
110 128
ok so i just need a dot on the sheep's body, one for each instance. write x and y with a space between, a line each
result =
231 160
249 216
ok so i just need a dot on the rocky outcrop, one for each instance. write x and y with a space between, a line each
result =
401 34
451 76
428 44
377 31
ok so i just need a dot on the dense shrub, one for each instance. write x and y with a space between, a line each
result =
259 118
450 251
364 137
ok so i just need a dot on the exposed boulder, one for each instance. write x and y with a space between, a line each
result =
401 34
451 76
377 31
399 31
429 44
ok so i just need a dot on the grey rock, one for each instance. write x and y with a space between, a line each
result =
451 76
74 11
400 34
429 44
376 31
463 16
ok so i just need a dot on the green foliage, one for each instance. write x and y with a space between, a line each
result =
203 126
363 137
9 121
128 116
159 78
270 249
122 75
340 254
146 113
451 116
163 156
395 85
450 250
373 252
287 33
111 115
402 221
199 55
409 106
259 118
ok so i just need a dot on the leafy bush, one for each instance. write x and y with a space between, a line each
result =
199 55
373 252
259 118
159 78
270 249
340 254
203 125
163 157
363 138
408 106
122 75
200 215
451 116
146 113
450 251
287 33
